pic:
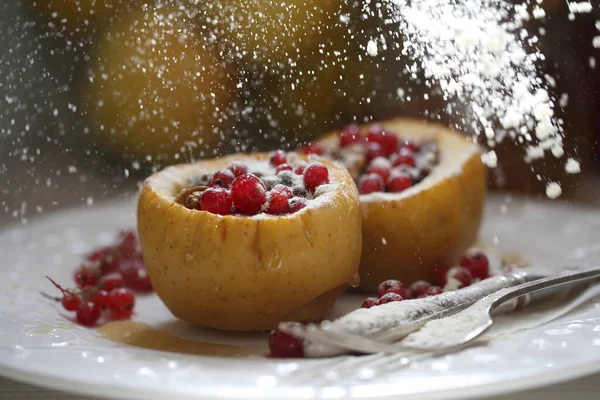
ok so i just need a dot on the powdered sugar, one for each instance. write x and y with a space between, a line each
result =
385 317
486 63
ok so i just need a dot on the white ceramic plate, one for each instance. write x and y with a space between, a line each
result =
39 344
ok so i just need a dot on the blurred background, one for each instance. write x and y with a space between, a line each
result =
95 94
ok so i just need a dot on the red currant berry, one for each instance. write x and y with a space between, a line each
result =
100 298
388 141
404 157
278 157
399 182
380 166
248 193
111 281
391 286
389 298
369 302
88 314
432 291
350 134
128 245
222 178
457 277
284 190
216 200
296 204
418 288
238 168
477 263
315 174
283 345
100 254
409 145
121 299
283 167
299 168
135 276
313 148
86 276
118 315
278 203
110 263
370 183
373 150
70 301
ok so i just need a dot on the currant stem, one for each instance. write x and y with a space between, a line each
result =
46 295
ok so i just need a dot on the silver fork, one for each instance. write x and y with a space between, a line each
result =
486 306
365 367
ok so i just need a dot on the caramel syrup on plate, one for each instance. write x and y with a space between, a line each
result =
145 336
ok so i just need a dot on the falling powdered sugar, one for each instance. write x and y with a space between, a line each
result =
486 64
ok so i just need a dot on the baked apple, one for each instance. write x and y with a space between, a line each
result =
422 191
156 89
245 241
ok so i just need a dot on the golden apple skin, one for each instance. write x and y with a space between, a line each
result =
155 88
407 236
248 273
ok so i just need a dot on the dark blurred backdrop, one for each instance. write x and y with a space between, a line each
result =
94 95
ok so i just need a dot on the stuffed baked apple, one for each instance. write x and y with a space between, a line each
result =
245 241
422 191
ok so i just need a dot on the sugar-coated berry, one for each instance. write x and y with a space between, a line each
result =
477 263
315 174
388 141
283 167
216 200
389 298
313 148
300 167
391 286
432 291
417 289
278 203
283 345
278 157
238 168
370 183
373 150
404 157
296 204
248 193
369 302
286 191
222 178
350 134
380 166
399 182
457 277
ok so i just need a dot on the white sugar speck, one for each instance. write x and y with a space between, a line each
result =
372 48
553 190
580 7
572 166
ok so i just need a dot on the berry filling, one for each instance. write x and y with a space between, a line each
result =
279 186
399 163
